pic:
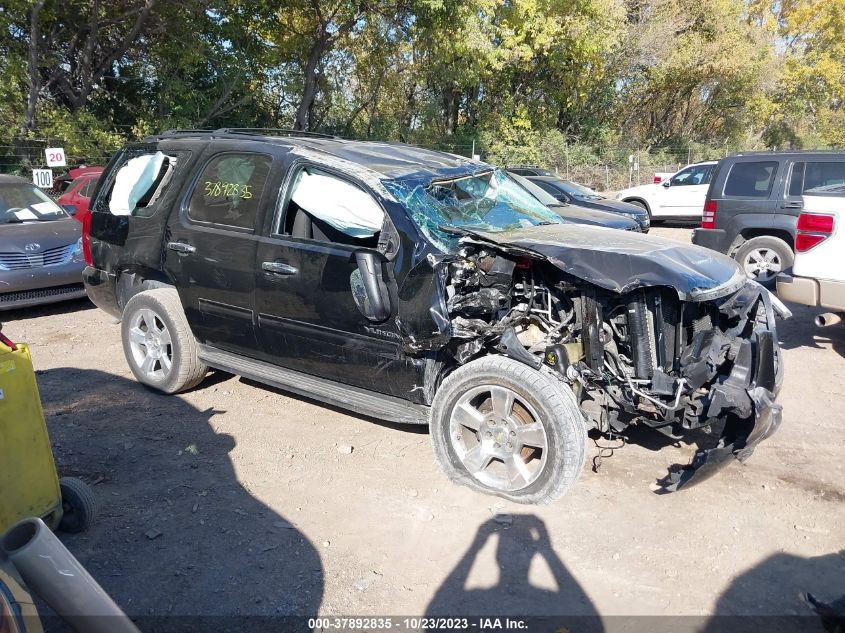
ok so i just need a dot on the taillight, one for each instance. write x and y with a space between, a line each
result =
657 179
813 229
708 218
86 239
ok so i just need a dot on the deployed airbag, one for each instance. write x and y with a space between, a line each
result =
340 204
133 181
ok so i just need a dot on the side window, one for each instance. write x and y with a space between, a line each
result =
75 183
89 187
751 179
229 189
550 188
139 183
824 174
321 206
697 175
796 179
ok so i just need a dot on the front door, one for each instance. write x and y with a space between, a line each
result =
687 190
307 314
211 245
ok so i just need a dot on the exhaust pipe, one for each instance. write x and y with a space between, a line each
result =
829 318
53 573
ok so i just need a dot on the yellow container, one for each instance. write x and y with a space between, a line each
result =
29 485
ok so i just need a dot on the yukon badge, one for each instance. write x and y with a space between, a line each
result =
32 247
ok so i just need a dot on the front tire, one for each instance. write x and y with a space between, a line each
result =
503 428
158 343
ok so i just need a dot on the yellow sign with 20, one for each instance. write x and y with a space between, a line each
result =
215 188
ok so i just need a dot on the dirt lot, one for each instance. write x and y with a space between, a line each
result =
239 499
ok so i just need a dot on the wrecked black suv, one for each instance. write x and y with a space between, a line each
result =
421 287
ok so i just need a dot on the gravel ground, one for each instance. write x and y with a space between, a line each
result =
239 499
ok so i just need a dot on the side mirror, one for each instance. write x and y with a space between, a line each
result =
666 183
368 287
69 208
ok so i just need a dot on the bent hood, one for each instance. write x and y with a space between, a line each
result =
593 217
622 261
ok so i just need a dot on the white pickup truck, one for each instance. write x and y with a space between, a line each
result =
818 274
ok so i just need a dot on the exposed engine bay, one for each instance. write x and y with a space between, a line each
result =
639 357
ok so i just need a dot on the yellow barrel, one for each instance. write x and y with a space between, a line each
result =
29 485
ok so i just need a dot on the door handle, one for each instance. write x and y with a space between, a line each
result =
181 247
279 268
792 205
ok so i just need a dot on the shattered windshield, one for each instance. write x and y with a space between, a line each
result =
27 203
488 201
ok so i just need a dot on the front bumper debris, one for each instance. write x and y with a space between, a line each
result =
757 376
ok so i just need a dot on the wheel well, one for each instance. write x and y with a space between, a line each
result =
131 283
640 200
748 234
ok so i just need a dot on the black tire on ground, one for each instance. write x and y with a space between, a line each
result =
79 505
186 369
554 404
779 250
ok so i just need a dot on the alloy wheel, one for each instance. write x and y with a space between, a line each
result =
151 345
498 437
762 264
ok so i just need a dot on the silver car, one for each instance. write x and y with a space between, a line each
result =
40 247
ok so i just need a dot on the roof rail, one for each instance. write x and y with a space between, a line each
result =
271 131
185 131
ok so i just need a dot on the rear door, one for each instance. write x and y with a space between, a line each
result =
212 237
751 186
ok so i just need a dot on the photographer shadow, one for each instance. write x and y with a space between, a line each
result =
517 548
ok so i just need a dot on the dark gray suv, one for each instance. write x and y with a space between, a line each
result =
753 204
40 247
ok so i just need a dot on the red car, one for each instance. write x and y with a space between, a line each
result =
78 193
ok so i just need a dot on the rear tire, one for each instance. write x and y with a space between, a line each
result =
529 440
762 258
158 343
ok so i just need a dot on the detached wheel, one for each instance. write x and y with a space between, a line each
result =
79 505
158 343
501 427
763 258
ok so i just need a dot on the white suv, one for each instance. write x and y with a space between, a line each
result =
681 196
818 274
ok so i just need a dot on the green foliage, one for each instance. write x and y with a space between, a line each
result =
563 83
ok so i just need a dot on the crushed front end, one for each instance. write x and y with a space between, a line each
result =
691 365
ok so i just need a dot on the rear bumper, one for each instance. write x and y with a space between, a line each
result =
812 292
27 287
714 239
100 287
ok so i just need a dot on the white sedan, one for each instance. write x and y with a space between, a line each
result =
681 196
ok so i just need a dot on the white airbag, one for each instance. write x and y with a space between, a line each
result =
133 181
338 203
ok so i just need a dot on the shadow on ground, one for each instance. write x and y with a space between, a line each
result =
801 331
518 547
178 535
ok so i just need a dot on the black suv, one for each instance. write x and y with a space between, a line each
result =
421 287
753 204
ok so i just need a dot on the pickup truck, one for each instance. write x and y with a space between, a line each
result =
818 275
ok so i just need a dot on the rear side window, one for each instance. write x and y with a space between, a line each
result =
820 177
751 179
138 183
229 189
